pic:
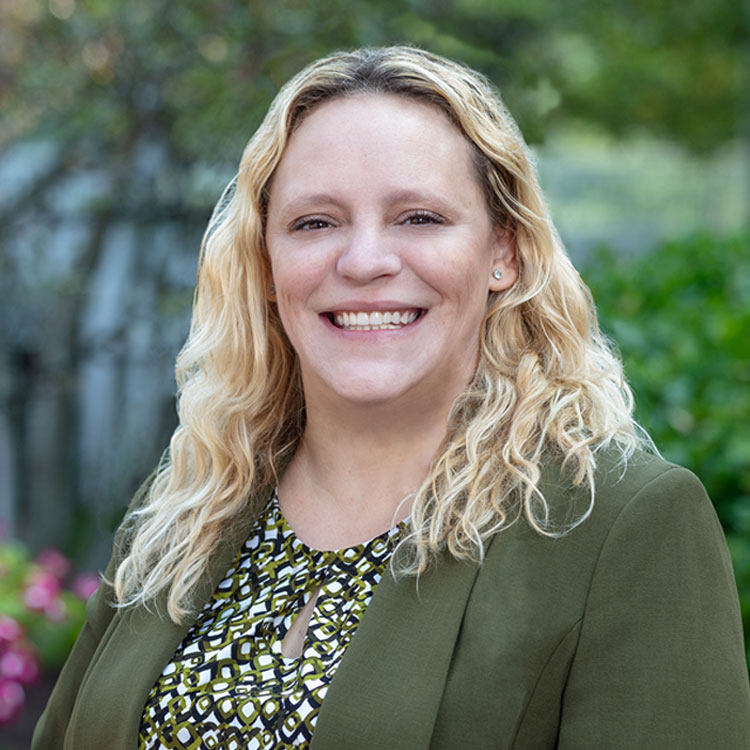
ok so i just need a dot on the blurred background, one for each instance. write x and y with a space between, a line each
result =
120 123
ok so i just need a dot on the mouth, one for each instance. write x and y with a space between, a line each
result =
387 320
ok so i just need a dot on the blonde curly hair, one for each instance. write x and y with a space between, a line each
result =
547 384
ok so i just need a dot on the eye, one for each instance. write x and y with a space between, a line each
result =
310 223
421 218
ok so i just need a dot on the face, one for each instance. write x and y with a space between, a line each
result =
382 252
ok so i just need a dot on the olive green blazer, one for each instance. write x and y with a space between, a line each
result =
623 634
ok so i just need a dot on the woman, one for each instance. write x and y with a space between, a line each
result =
398 420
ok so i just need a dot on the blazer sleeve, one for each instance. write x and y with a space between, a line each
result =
660 661
52 725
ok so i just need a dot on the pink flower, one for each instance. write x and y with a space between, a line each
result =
54 562
12 699
42 589
10 630
20 663
56 610
84 585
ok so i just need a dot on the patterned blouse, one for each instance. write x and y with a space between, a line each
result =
228 684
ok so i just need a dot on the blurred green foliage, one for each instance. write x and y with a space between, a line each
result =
53 618
680 315
202 72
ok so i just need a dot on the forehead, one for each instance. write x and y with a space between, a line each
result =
378 135
371 103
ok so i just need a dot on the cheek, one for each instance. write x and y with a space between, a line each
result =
296 267
296 287
291 305
470 292
466 276
289 277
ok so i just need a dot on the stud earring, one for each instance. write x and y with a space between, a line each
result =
497 275
272 289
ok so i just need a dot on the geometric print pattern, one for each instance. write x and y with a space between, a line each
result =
228 685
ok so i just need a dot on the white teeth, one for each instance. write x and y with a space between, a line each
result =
362 321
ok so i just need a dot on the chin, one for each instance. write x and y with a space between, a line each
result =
366 395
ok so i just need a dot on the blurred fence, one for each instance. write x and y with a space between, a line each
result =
97 276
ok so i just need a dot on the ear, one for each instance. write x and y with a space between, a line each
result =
503 260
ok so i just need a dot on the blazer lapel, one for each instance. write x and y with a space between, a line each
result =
387 690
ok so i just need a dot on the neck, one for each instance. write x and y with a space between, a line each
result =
354 469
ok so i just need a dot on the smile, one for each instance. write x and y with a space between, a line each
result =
375 321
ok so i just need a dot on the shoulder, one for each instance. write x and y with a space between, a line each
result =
647 513
655 527
646 490
645 476
661 612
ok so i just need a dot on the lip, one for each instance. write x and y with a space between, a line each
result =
373 306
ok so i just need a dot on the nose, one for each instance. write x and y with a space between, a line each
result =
368 255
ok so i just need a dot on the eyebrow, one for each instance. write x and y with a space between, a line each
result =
301 202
